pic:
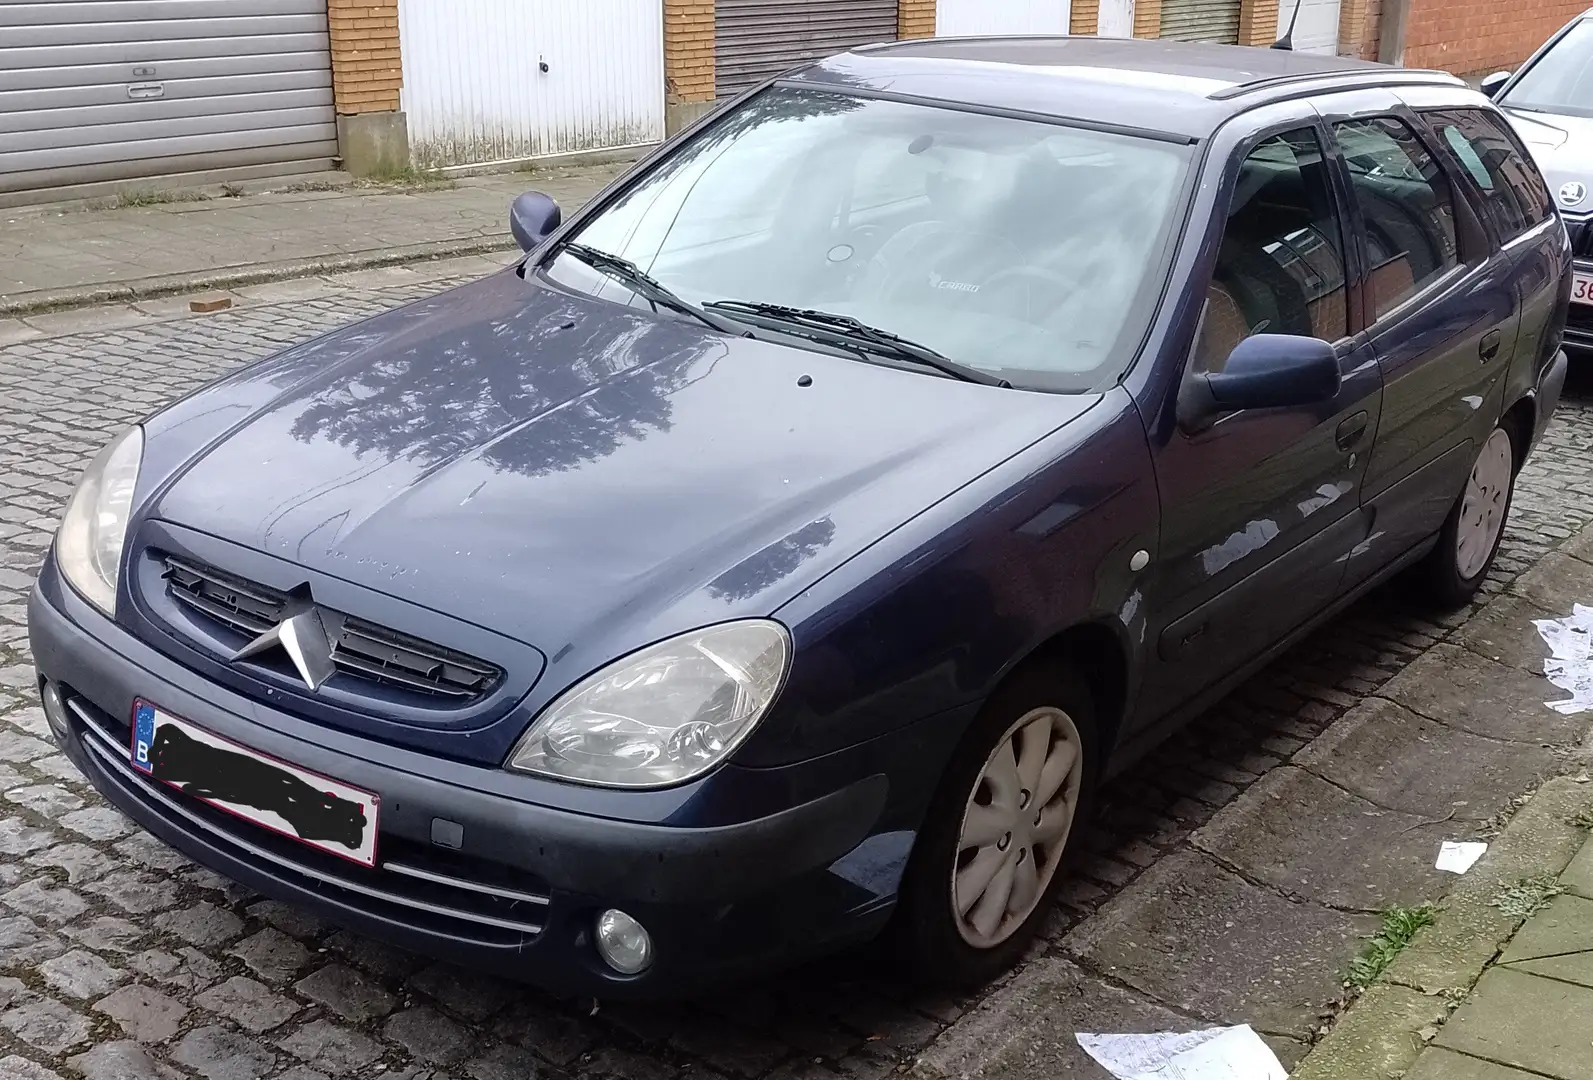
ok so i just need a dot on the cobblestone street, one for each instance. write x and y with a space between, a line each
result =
119 960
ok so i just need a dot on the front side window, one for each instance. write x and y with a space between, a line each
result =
1029 250
1513 191
1406 206
1280 267
1562 79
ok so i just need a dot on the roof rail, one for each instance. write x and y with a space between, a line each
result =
1402 76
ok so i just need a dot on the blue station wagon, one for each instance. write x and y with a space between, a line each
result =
788 548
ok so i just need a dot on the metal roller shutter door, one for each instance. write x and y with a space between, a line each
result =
127 89
757 39
1201 20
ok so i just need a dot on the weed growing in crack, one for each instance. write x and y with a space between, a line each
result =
1400 924
1528 896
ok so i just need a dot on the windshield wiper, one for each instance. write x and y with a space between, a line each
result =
852 330
647 287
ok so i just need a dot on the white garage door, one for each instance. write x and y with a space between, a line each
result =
505 80
955 18
1317 28
125 89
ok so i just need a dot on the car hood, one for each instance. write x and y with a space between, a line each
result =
1562 146
575 474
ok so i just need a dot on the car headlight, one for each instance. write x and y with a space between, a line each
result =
662 715
88 547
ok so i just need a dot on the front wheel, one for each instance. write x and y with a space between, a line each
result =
988 861
1471 534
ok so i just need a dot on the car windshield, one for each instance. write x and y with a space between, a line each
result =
1029 250
1562 79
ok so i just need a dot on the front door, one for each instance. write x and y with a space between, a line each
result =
1260 509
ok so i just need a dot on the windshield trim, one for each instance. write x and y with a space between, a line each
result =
1052 119
1502 100
1158 285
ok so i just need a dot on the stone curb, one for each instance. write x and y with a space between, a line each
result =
1388 1027
40 301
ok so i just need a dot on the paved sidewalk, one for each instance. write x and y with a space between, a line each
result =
1534 1008
1501 986
57 258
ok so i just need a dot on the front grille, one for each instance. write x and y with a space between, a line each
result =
1581 238
1579 318
360 650
419 885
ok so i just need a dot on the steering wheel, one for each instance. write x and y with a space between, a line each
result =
910 256
1053 283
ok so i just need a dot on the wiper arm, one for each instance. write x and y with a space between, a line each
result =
646 286
850 329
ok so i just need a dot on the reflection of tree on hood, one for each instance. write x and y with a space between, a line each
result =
777 561
595 379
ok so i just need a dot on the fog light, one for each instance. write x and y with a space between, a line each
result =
55 712
624 945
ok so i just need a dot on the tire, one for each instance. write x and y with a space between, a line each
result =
1469 540
944 948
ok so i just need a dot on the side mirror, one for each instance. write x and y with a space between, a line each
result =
1264 371
1491 84
532 218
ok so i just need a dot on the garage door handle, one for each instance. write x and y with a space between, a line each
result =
1490 345
1350 431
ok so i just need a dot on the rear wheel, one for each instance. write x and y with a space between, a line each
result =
990 857
1470 537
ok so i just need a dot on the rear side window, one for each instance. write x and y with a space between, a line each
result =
1513 190
1280 268
1406 205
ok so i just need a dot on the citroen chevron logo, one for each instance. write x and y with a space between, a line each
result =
301 634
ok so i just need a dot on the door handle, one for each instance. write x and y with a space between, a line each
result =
1350 431
1490 345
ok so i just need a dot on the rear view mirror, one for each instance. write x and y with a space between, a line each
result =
1264 371
532 218
1491 84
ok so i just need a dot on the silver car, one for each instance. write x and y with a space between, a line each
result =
1549 100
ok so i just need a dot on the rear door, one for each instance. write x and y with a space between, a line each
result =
1515 200
1442 318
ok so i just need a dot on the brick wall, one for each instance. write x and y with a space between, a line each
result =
366 69
1478 36
915 18
1371 30
1085 15
689 50
1148 19
1258 22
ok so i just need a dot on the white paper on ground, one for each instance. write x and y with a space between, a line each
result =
1458 856
1570 640
1232 1053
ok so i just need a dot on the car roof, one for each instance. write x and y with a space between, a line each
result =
1178 88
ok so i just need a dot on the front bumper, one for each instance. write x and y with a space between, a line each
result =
519 893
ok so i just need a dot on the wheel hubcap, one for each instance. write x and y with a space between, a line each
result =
1015 826
1482 508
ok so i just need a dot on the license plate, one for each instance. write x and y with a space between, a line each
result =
315 810
1582 288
